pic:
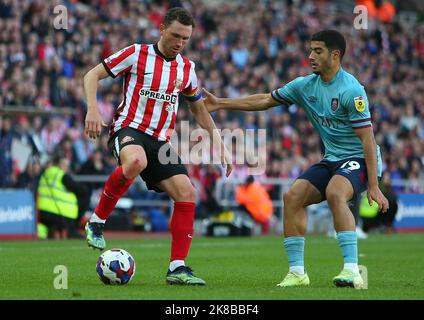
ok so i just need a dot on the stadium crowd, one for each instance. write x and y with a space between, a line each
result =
239 48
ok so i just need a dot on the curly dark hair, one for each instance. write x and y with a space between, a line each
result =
333 39
179 14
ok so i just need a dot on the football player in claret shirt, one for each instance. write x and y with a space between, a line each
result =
154 75
337 106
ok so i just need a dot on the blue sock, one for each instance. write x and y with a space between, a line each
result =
295 247
349 244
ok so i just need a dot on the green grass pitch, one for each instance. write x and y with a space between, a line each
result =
245 268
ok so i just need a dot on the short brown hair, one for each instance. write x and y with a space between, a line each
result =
181 15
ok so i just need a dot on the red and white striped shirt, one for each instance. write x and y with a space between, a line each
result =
152 84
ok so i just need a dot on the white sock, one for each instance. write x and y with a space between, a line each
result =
352 266
95 218
297 269
175 264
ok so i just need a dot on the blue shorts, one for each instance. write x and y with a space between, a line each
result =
354 169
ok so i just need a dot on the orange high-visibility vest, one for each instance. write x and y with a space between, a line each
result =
256 199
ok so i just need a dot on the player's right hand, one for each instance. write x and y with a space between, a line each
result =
211 101
94 124
375 194
226 159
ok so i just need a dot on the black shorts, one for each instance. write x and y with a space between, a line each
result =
159 167
354 169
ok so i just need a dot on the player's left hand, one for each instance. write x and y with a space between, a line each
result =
211 101
375 194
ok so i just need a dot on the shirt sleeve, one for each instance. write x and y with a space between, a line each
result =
192 92
357 107
120 62
288 94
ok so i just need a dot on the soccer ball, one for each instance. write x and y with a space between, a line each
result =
115 266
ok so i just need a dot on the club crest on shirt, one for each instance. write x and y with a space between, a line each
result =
178 83
334 104
359 103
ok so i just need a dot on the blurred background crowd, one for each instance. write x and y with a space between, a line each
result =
240 48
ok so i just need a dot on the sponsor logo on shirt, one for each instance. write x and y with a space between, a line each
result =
312 99
328 122
171 98
359 103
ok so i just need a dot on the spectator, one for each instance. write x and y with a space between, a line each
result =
43 68
94 166
210 204
29 178
255 200
6 163
375 221
416 177
61 201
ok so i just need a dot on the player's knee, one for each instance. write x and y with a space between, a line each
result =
293 199
133 167
186 194
333 196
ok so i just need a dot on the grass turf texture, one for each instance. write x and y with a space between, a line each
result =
234 268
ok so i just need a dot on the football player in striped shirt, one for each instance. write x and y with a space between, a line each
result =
337 106
153 77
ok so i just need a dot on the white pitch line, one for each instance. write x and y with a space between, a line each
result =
145 245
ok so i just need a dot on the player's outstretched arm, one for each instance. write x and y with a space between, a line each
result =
370 153
93 119
205 121
255 102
